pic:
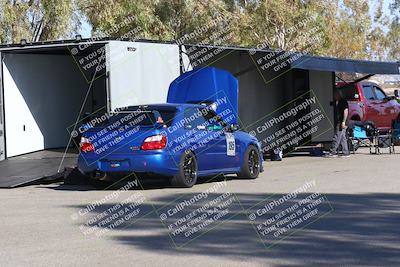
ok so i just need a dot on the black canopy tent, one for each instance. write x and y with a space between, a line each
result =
369 68
346 65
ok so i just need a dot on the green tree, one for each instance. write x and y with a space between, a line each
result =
36 20
157 19
393 36
287 25
118 17
340 28
353 33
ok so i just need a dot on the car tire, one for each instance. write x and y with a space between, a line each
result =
187 174
251 165
370 129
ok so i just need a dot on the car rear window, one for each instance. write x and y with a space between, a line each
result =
349 92
146 117
368 93
134 118
167 116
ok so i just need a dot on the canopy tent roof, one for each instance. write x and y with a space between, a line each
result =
346 65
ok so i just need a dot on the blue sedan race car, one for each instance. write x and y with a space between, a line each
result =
181 141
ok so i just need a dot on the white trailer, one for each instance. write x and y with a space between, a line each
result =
47 87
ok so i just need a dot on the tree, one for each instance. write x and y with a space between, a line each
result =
286 25
199 21
393 36
36 20
118 17
156 19
353 33
339 28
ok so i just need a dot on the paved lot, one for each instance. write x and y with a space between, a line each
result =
357 224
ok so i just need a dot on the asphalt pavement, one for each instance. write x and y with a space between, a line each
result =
303 211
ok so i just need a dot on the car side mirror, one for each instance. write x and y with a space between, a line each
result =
234 127
396 93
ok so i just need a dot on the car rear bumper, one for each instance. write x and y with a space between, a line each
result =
159 163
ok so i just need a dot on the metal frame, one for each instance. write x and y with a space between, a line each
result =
61 43
2 115
355 81
318 62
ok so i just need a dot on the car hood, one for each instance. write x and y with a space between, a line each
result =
207 85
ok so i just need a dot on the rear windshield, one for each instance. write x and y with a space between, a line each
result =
145 118
136 118
133 118
349 92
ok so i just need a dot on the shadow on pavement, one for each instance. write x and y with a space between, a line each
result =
79 182
360 229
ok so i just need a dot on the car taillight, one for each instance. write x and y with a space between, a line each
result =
85 145
154 142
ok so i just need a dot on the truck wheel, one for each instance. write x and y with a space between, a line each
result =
251 163
370 129
187 175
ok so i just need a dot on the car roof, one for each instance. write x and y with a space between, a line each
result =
166 106
343 84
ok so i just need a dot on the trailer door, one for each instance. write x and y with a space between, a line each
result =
2 141
140 73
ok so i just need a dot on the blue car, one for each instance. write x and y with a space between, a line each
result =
180 141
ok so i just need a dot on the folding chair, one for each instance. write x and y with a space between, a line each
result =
357 136
396 133
384 140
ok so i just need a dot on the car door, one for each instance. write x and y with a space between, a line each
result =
222 145
371 105
387 110
201 140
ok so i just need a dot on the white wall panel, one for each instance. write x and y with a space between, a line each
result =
2 142
43 95
140 73
23 132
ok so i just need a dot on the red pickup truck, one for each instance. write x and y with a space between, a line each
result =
369 104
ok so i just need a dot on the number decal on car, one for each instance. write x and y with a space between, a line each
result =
230 144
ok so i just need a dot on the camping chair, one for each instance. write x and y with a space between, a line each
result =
396 133
358 136
383 140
